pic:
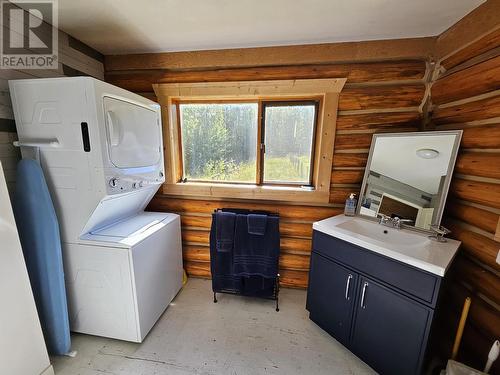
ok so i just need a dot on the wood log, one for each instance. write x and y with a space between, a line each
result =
196 253
301 246
369 121
479 22
196 221
325 53
197 236
475 80
484 44
376 97
385 71
347 177
294 279
349 160
476 245
353 141
295 229
481 137
481 280
477 217
198 269
478 164
478 192
294 262
339 195
287 228
163 203
472 111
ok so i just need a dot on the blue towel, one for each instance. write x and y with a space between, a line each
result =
256 255
224 231
221 265
39 234
257 224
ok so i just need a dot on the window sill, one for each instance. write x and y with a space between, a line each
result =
237 191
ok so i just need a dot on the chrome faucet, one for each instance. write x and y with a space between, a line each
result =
394 222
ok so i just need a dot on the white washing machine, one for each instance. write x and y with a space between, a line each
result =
101 151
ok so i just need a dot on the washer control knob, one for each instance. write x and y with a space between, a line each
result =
141 183
113 182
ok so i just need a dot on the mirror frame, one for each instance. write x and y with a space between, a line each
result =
447 181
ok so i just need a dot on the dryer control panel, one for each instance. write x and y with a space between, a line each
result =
119 185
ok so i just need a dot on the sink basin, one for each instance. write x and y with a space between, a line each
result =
403 245
382 233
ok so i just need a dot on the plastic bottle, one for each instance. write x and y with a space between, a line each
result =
350 205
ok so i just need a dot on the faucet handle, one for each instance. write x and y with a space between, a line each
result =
440 229
383 218
439 232
406 220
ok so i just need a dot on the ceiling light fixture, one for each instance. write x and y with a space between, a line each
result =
427 153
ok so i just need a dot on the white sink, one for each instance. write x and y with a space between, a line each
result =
406 246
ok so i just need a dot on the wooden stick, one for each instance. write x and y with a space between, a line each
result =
460 329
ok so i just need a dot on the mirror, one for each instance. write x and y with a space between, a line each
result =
408 176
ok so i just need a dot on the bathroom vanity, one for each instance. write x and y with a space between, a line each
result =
374 283
376 301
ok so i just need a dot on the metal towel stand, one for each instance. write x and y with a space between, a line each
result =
276 290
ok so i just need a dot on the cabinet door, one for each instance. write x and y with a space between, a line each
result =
330 297
390 330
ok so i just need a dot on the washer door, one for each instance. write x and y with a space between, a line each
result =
134 135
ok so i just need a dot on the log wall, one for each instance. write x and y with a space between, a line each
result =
465 95
380 96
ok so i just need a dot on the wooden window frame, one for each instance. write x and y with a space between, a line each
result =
326 91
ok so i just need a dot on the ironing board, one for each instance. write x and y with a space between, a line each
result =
39 234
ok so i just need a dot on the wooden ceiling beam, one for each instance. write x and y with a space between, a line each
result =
377 50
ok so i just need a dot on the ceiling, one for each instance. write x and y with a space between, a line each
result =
132 26
396 157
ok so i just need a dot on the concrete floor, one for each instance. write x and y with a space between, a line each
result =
238 335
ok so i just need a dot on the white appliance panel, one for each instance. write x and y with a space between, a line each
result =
100 298
120 291
156 286
133 134
101 151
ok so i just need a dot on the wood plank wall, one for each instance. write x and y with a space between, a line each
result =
465 94
379 96
75 58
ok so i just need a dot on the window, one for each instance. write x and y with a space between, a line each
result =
266 140
288 133
220 142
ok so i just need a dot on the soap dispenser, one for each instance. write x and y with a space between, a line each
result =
350 205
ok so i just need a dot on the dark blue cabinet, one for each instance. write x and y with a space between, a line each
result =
332 307
390 329
383 314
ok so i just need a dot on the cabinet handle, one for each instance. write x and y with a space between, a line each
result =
347 287
365 285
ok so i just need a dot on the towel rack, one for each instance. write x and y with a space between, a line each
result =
271 283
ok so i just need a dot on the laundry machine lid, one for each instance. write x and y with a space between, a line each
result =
132 230
133 134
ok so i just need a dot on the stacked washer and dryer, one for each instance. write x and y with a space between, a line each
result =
101 151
